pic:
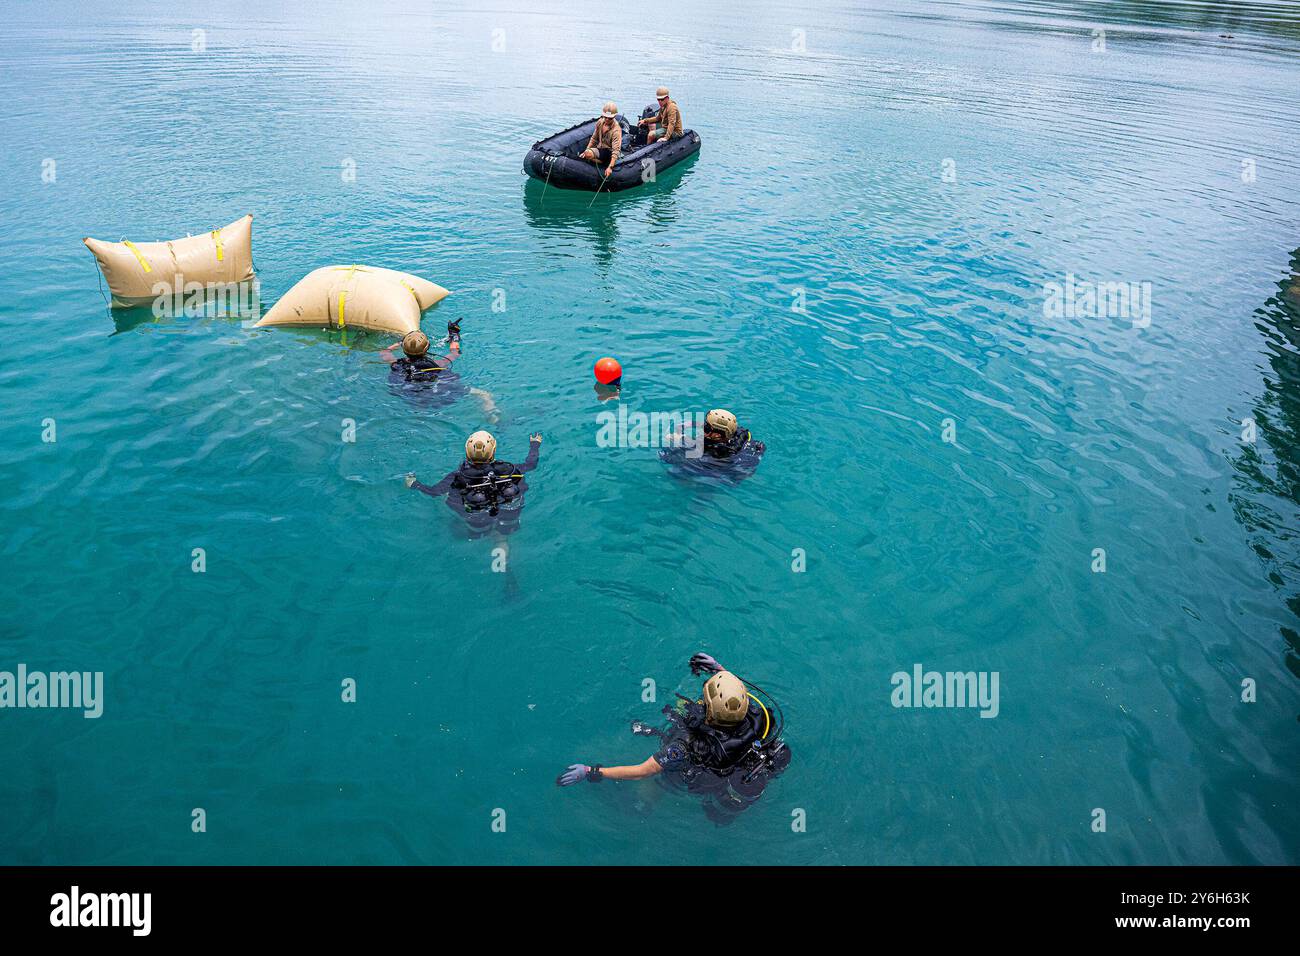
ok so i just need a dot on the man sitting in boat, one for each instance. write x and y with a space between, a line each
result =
667 123
606 140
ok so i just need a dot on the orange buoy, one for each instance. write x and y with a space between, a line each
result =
608 371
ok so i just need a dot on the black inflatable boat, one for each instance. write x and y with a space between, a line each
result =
555 160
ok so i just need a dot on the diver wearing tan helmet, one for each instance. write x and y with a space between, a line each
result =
723 447
421 372
606 141
484 488
727 743
723 436
415 365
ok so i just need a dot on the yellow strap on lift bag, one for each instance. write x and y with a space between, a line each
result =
144 263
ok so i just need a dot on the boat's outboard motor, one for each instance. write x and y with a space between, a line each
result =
640 133
629 132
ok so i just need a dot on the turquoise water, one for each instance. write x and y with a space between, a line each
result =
821 184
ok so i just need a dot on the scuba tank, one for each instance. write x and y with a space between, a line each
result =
426 372
487 490
754 747
730 448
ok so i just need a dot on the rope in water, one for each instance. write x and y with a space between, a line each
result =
604 179
550 168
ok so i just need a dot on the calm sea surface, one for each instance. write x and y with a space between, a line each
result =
855 264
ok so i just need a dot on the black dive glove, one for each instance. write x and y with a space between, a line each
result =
702 663
453 331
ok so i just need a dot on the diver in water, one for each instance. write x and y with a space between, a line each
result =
724 449
416 365
726 745
429 381
487 491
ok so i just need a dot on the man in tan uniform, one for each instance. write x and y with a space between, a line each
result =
667 124
606 140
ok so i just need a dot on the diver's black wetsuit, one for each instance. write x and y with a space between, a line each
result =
425 382
735 458
722 763
419 369
489 496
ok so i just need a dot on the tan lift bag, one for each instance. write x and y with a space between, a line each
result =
138 272
360 297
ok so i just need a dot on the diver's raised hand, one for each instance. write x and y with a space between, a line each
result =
701 663
576 773
410 481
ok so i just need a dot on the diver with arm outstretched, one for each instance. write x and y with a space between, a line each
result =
482 481
415 362
726 705
596 772
416 370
